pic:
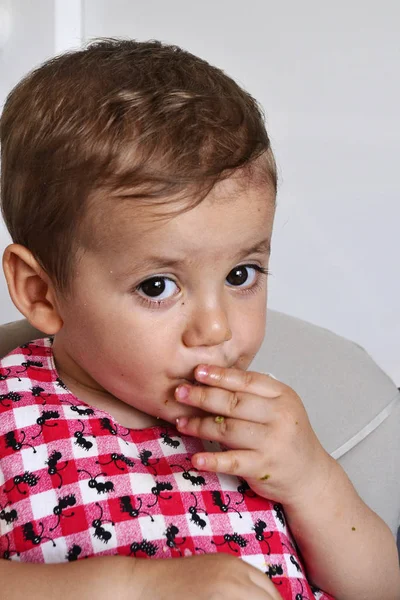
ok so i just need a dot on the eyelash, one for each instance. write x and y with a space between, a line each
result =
262 271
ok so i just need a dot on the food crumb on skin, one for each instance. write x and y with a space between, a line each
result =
219 419
265 477
353 528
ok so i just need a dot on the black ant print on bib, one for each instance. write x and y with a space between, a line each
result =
74 483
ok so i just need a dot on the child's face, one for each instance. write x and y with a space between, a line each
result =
197 303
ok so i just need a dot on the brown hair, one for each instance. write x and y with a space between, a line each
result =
146 119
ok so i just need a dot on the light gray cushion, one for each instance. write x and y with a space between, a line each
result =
14 334
343 390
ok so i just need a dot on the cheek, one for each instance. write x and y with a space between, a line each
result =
118 342
250 332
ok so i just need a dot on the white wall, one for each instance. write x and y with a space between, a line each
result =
327 75
30 41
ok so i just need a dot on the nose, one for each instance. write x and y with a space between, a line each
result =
207 326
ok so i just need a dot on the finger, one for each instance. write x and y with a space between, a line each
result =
238 380
232 462
238 405
257 592
233 433
242 463
263 581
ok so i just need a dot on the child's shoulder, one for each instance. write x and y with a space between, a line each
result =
40 347
17 365
27 378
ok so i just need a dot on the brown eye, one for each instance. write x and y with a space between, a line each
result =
155 287
237 276
240 276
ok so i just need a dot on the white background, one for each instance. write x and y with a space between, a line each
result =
328 77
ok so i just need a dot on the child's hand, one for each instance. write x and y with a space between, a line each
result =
265 426
200 577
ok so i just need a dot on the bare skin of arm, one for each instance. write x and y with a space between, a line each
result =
200 577
93 578
347 549
335 531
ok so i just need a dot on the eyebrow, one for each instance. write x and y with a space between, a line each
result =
262 247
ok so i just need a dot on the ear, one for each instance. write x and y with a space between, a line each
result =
31 289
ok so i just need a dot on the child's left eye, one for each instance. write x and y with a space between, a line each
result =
158 288
244 275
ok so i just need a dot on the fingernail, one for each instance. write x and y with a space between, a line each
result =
202 371
182 421
182 392
200 461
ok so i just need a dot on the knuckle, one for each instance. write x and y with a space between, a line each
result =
203 428
223 427
219 375
234 468
197 425
233 403
248 378
202 399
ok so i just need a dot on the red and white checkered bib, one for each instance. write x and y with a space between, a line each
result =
74 484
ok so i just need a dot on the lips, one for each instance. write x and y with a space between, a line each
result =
191 381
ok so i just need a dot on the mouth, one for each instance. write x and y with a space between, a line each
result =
191 381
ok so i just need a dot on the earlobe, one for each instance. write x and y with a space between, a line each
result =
31 289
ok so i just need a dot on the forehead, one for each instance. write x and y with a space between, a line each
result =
235 212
